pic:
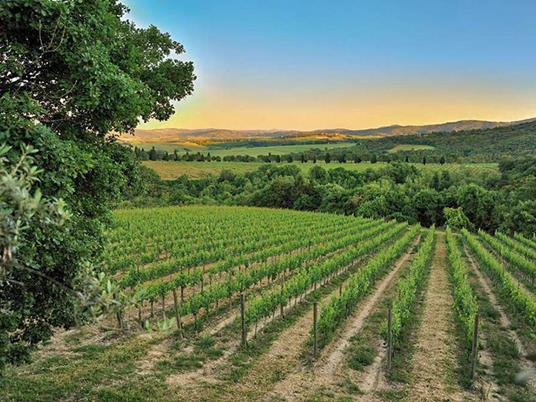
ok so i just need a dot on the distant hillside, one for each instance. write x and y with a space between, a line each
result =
193 138
475 145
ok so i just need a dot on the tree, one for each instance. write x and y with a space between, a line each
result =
21 208
480 205
521 218
152 154
72 73
446 179
318 174
456 219
436 182
327 158
426 203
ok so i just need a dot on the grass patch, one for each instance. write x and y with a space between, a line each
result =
362 355
95 372
204 349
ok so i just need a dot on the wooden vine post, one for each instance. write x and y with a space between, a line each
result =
474 347
315 317
243 320
389 338
281 307
177 312
163 307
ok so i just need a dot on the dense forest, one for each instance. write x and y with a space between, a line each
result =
398 191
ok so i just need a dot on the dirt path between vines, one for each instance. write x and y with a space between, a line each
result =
327 369
434 360
504 321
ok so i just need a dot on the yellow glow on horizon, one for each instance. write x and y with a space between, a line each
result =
347 110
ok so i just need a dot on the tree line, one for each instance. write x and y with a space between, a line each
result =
311 156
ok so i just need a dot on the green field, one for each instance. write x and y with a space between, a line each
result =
168 170
411 147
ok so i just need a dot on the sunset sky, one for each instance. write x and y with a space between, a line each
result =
353 64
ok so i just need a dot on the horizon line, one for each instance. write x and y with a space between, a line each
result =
527 119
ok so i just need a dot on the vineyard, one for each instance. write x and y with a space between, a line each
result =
207 303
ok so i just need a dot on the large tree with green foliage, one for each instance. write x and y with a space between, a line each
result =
72 73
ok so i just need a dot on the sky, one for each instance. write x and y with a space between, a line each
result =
308 64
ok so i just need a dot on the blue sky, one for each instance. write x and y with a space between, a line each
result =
354 64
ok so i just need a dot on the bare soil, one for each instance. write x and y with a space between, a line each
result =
434 360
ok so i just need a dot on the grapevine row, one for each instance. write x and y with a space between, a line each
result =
526 241
517 260
520 299
246 278
193 277
408 287
203 249
359 284
266 304
517 246
464 298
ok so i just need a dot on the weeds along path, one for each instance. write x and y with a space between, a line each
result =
504 321
434 360
328 368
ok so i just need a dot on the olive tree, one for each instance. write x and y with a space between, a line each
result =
72 74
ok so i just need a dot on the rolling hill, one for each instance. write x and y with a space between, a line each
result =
201 137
